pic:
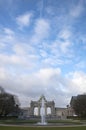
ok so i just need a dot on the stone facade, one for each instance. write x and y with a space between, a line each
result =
55 112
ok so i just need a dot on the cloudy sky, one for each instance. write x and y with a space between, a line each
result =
43 49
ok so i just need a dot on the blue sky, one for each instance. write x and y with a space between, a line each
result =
43 49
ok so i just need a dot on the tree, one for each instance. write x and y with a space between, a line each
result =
8 105
79 105
2 90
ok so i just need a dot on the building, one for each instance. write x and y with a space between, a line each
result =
50 110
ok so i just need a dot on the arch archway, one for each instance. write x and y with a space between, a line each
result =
48 110
35 111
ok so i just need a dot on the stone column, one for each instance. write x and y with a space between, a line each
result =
32 111
38 110
32 108
52 110
45 110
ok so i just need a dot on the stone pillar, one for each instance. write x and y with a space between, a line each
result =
32 111
45 110
32 108
38 110
52 110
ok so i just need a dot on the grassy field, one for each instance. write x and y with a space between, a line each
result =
42 128
18 121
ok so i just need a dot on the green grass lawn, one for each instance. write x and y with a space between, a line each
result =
18 121
42 128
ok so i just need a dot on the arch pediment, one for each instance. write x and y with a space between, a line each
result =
42 97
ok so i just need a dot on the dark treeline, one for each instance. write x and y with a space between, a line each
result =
79 105
9 104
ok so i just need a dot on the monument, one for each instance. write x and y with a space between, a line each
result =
37 104
42 106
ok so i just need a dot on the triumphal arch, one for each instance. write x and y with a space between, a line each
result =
47 104
55 112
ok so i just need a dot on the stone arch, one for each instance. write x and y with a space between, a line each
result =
48 104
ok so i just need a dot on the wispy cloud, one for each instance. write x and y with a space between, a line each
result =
80 65
8 31
24 20
77 9
8 34
65 33
41 30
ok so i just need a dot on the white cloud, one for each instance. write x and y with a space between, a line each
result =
76 10
77 82
23 49
65 34
41 82
79 78
2 73
41 30
8 31
19 61
20 49
2 45
51 61
80 65
46 81
14 52
65 46
11 60
7 35
60 47
24 20
42 26
50 10
65 40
